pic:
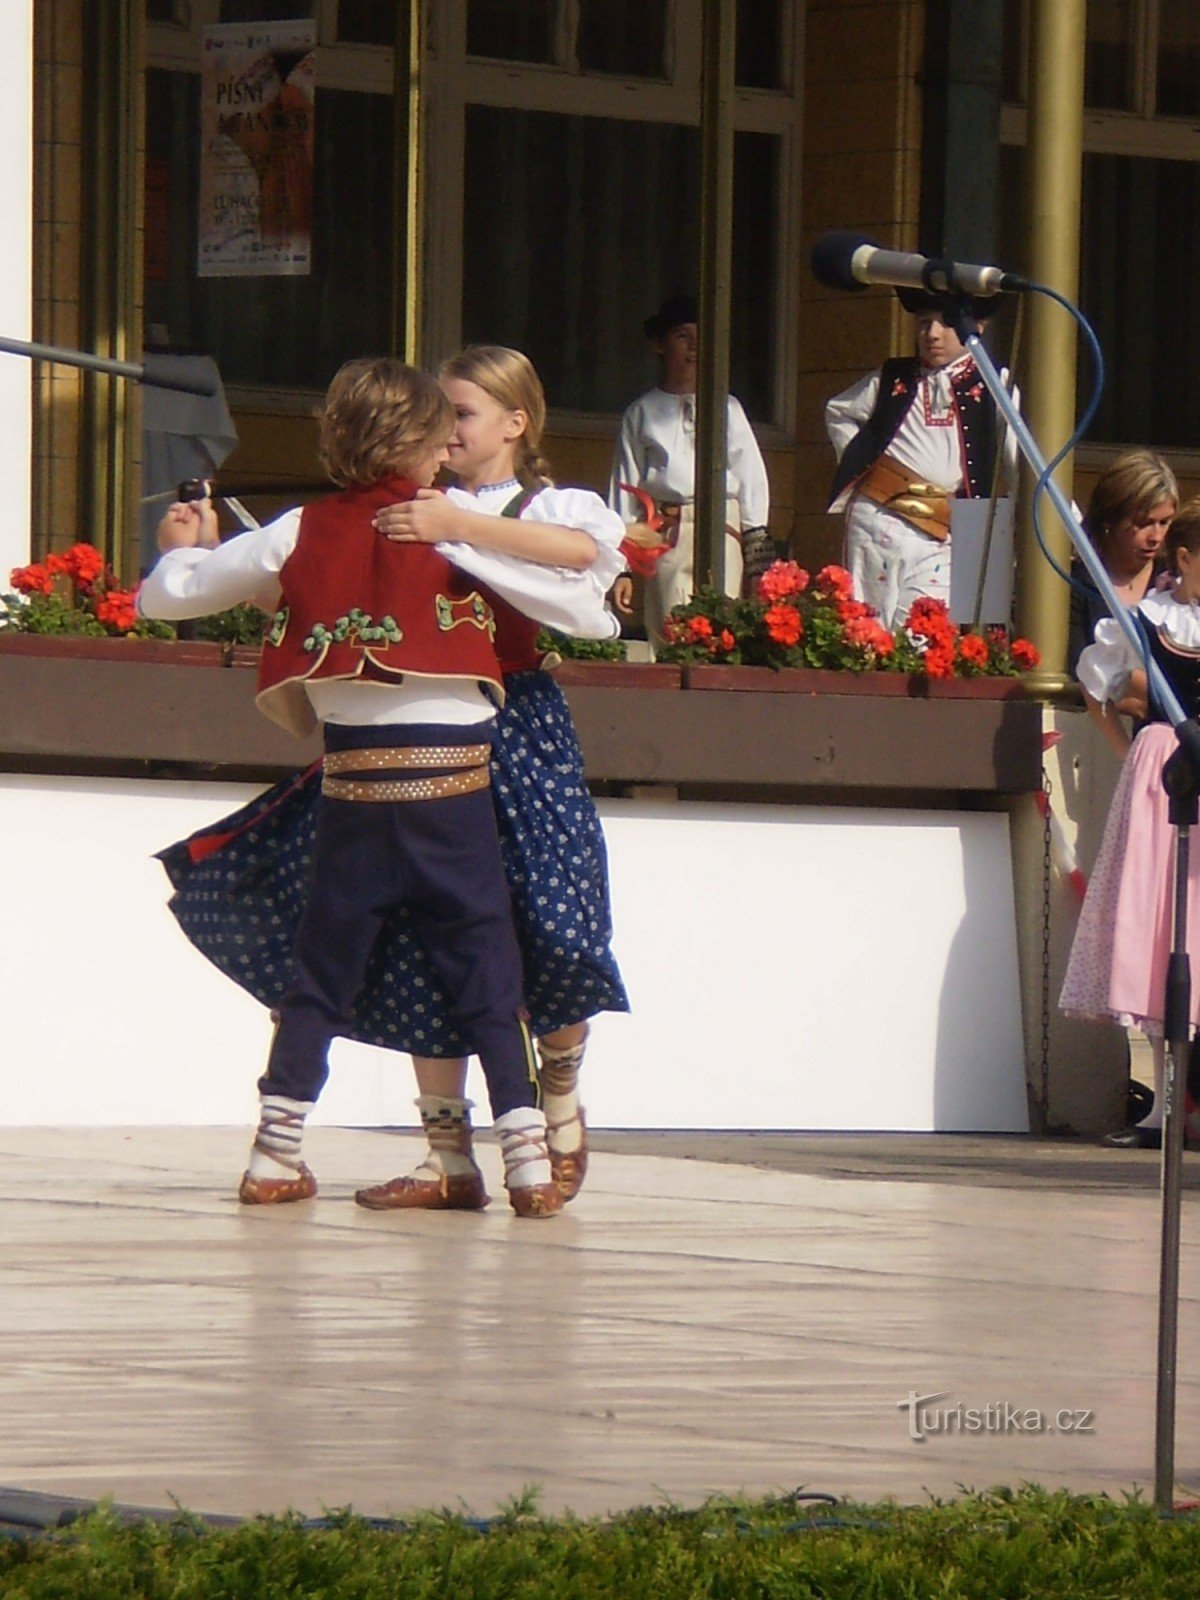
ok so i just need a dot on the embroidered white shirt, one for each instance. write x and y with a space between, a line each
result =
656 451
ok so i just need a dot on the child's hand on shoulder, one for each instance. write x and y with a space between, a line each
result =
428 519
189 525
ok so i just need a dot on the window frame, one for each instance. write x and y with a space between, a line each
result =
1141 133
463 80
455 80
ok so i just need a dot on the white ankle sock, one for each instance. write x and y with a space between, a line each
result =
446 1120
276 1149
522 1135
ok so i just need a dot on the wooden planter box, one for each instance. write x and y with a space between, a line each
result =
132 706
127 649
618 675
811 680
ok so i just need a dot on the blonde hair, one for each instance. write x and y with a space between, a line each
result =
509 378
1132 486
379 417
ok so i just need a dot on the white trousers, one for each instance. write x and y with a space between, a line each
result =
674 578
892 563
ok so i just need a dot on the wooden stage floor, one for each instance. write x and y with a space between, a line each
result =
687 1327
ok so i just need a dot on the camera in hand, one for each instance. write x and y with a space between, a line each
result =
195 489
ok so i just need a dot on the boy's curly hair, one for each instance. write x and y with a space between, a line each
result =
380 416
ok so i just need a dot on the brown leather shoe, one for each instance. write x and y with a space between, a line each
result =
277 1191
463 1192
536 1200
569 1167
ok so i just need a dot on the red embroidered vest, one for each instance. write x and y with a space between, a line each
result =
357 605
516 637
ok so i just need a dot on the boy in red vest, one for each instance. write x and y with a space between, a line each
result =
391 647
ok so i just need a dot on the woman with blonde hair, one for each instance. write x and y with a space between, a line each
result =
1128 515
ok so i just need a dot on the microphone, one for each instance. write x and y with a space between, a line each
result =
842 260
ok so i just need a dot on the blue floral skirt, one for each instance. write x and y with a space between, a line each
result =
240 886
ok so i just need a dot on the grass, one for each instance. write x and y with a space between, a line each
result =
1010 1543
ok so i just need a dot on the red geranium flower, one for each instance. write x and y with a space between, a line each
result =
36 578
1026 656
973 650
867 633
117 610
781 579
835 581
699 628
938 661
783 625
83 563
726 641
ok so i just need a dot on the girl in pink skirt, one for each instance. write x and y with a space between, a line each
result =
1117 970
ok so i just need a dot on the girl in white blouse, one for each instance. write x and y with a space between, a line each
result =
1117 970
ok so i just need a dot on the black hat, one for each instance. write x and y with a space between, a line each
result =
673 313
981 306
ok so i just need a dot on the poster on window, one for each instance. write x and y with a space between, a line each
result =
257 88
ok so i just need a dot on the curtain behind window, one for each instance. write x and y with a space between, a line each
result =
278 332
577 228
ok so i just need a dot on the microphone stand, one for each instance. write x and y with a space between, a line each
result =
1181 780
169 376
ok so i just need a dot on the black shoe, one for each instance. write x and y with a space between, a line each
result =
1135 1138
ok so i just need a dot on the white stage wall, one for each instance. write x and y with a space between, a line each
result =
823 968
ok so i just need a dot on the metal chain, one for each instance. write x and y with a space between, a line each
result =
1047 790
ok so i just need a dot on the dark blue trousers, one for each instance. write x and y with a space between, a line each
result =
441 860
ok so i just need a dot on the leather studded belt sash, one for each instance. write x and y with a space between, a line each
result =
895 488
470 762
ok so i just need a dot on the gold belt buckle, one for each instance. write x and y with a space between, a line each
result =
919 500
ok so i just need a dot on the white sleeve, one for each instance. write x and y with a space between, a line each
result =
748 468
627 467
245 569
1011 451
846 412
571 602
585 511
1104 666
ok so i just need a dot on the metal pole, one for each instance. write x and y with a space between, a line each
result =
407 181
718 48
110 316
1054 167
1175 1029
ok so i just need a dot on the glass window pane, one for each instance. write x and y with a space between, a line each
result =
511 30
1012 58
577 228
1141 222
266 10
282 332
1108 75
760 63
366 22
1179 59
623 36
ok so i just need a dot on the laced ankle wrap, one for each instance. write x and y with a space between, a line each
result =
560 1068
281 1129
447 1124
522 1146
